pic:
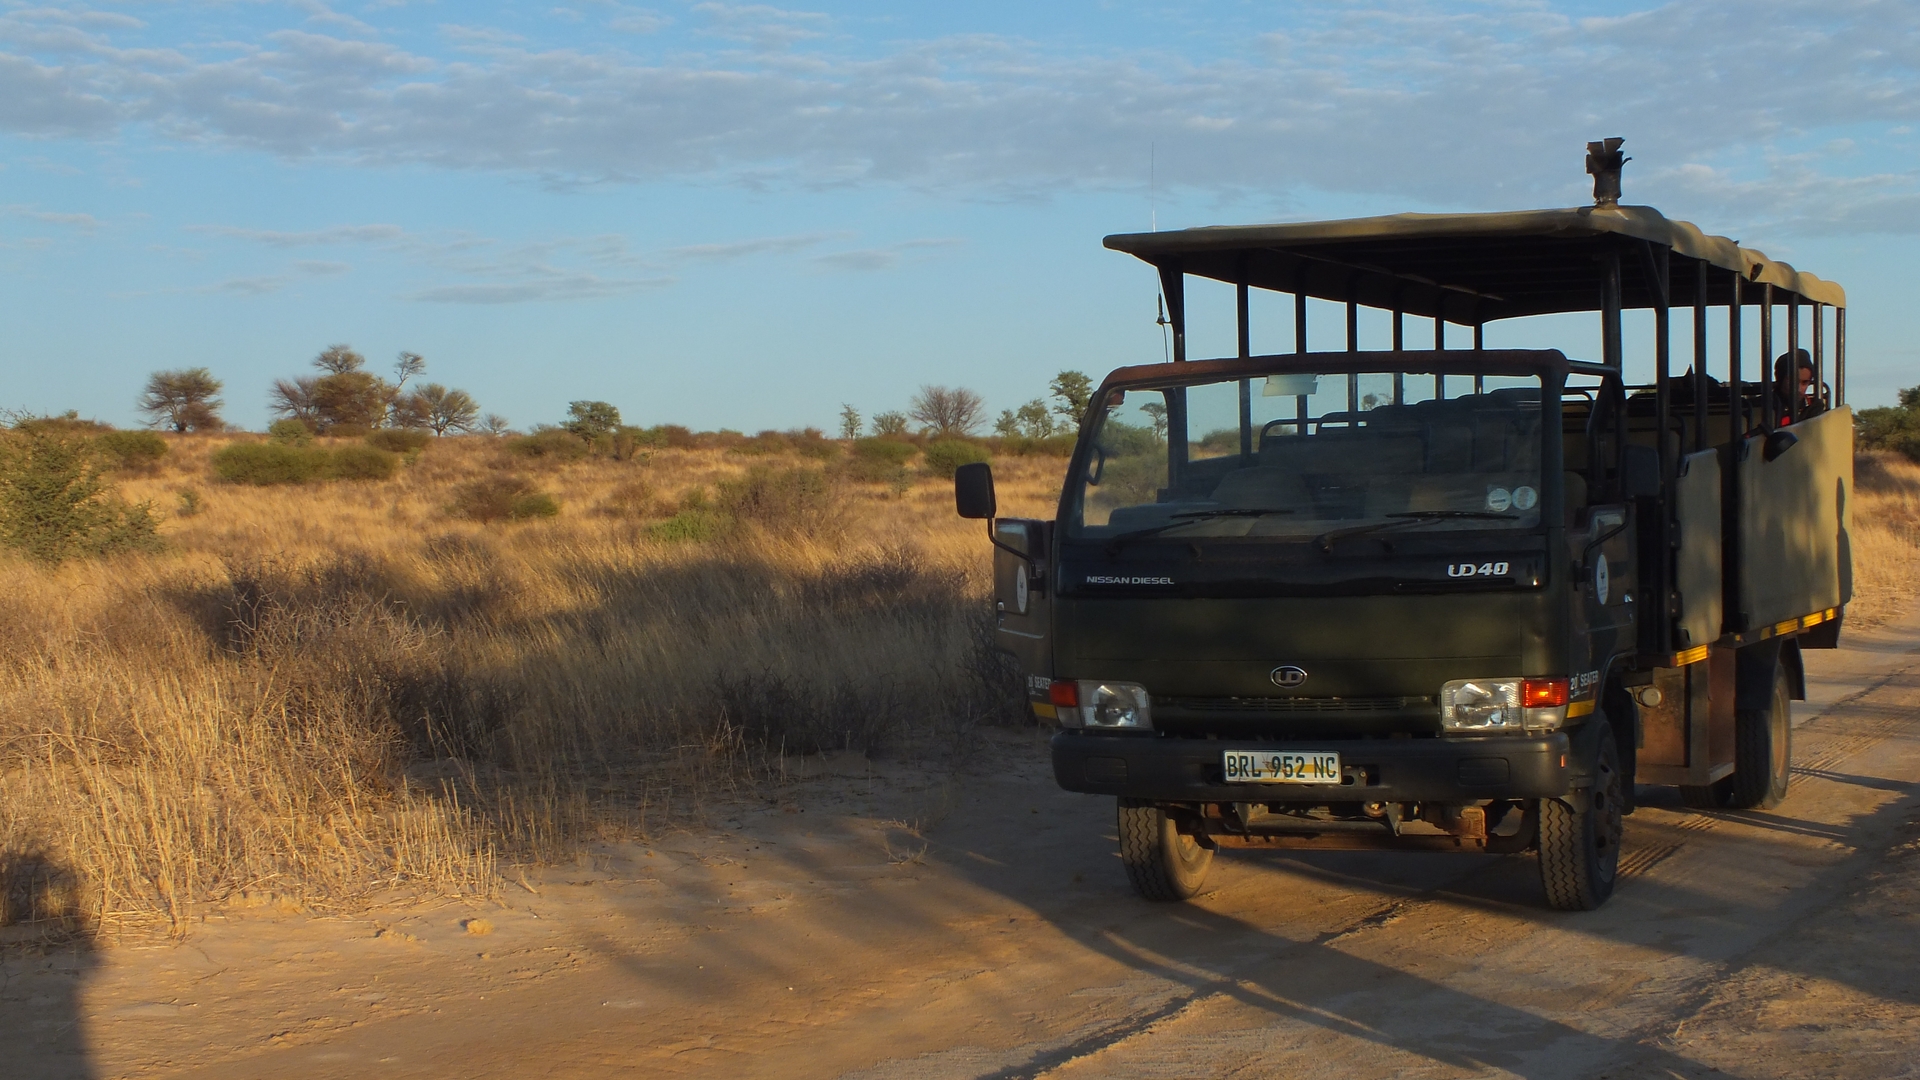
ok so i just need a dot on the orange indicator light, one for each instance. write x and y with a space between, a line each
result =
1543 693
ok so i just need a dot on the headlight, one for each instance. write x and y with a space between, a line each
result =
1091 704
1475 706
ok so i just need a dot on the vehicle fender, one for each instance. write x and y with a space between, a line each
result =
1753 672
1583 750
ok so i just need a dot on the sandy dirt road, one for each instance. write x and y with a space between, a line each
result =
890 924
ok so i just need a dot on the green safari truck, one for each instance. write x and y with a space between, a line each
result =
1440 596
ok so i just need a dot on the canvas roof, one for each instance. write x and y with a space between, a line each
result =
1473 267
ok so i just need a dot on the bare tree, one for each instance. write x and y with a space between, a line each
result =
948 411
339 360
434 406
184 400
494 424
293 399
409 365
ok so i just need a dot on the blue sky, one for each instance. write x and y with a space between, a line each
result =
744 216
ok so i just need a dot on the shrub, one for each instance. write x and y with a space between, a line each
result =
132 449
268 463
690 525
1047 446
549 444
944 456
360 462
400 440
892 451
633 499
800 500
54 504
501 498
290 431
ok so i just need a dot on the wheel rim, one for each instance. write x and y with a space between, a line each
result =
1782 724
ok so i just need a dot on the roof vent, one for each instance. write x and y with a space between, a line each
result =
1604 161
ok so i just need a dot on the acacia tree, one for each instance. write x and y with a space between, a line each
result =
344 397
1072 391
292 399
591 419
183 400
947 411
434 406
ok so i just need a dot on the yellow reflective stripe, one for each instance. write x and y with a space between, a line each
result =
1045 709
1787 627
1579 708
1691 656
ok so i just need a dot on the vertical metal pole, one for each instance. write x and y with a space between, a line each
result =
1793 365
1300 349
1479 345
1246 384
1769 396
1732 618
1700 381
1839 356
1660 270
1611 354
1399 343
1818 312
1353 377
1439 345
1173 286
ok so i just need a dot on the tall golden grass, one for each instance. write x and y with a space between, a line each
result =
321 691
316 693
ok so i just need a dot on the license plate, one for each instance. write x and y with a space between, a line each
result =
1276 767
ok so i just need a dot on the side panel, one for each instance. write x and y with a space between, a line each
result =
1795 522
1023 604
1697 570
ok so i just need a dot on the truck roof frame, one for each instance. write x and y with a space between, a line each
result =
1471 269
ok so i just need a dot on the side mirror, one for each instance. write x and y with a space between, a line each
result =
1778 443
973 491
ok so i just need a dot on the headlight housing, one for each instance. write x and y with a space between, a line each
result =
1502 706
1087 703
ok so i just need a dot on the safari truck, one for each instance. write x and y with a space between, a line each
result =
1436 596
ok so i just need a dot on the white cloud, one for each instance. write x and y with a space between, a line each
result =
84 222
1441 104
321 268
880 258
338 234
560 287
740 249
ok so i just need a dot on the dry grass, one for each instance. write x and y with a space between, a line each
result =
1886 538
316 693
319 692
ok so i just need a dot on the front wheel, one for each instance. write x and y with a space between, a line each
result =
1162 862
1580 839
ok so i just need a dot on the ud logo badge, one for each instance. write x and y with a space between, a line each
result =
1288 677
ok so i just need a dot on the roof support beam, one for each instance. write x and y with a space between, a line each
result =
1173 287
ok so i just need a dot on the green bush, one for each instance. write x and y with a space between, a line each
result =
132 449
689 525
501 498
880 448
54 504
291 432
549 444
360 462
268 463
1896 429
400 440
945 456
1047 446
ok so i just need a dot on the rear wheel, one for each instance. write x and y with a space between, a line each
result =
1762 751
1162 863
1762 757
1580 839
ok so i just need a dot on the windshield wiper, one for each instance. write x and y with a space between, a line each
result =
1326 539
1186 518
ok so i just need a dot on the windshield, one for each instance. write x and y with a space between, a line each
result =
1300 456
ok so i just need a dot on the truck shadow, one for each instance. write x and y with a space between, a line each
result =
46 954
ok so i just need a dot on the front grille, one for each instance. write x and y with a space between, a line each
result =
1293 706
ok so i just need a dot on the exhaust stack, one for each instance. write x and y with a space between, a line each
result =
1604 161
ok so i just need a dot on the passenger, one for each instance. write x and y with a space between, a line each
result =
1793 378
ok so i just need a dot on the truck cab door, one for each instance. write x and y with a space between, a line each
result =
1022 599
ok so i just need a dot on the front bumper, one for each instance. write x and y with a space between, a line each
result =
1434 770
